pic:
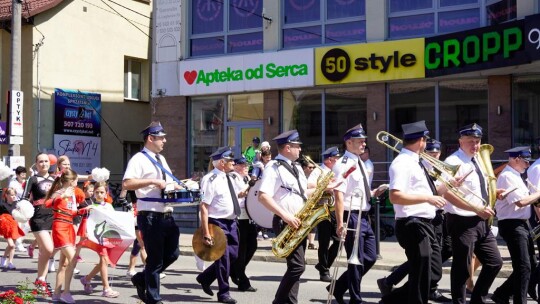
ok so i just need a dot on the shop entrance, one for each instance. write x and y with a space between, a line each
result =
240 134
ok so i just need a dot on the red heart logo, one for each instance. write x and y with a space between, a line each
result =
190 76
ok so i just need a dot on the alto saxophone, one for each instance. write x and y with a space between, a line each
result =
316 209
310 215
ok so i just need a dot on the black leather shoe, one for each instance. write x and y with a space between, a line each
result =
338 297
227 300
325 278
383 287
249 289
235 280
532 292
206 288
139 283
438 297
499 299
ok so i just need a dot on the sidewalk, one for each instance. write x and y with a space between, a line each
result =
391 254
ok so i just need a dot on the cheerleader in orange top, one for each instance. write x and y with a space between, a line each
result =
64 204
9 228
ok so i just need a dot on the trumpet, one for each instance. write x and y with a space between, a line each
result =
353 259
439 167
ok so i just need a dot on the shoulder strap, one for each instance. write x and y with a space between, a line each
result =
290 169
160 166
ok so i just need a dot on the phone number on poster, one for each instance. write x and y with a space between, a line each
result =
80 125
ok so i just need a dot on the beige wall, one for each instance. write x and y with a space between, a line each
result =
84 49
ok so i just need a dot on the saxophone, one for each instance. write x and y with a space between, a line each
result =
316 209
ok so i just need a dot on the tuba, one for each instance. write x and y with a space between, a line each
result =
484 155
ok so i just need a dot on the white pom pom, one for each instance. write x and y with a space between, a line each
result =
100 174
5 171
23 212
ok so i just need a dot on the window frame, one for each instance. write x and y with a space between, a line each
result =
322 22
221 35
435 10
129 62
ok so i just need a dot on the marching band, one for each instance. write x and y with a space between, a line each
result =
442 209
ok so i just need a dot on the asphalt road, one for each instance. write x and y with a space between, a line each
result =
180 286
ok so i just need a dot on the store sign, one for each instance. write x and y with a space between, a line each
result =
370 62
84 152
479 49
77 113
279 70
532 37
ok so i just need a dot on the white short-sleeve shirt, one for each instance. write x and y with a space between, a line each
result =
507 209
352 187
533 174
140 167
406 175
240 185
282 185
470 184
216 194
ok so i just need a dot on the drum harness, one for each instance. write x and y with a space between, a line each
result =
164 200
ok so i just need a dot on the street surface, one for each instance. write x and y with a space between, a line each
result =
180 286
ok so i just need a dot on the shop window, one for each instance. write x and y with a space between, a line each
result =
419 18
206 125
410 102
132 79
303 110
345 108
461 102
501 11
225 26
315 22
245 107
526 112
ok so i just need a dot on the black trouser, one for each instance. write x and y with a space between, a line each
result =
417 237
516 234
327 253
287 291
160 235
445 241
471 234
351 279
246 250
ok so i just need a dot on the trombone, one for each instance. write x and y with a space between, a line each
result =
353 259
439 167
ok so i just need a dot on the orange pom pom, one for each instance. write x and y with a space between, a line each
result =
52 159
108 198
79 195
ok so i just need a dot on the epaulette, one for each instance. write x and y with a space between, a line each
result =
212 178
345 159
232 175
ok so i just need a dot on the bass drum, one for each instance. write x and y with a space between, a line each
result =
255 210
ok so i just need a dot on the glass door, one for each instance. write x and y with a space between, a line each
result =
240 135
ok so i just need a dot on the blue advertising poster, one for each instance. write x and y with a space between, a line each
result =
77 113
3 133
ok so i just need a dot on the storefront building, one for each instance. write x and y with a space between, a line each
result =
257 68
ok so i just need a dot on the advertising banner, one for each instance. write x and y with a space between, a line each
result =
77 113
367 62
84 152
479 49
532 37
16 113
279 70
3 133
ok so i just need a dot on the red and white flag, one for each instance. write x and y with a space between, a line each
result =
110 231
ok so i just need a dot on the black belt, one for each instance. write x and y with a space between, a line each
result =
155 214
421 219
364 214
